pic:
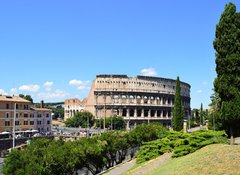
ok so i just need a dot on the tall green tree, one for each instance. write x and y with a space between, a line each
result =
215 121
113 122
227 83
83 119
201 115
177 120
26 97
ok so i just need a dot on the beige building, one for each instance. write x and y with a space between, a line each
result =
138 99
26 117
7 112
72 106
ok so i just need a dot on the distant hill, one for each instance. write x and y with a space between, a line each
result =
51 104
56 107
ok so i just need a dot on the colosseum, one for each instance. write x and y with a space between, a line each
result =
139 99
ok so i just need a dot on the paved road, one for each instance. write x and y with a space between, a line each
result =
122 168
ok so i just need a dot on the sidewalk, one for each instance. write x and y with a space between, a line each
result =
150 166
122 168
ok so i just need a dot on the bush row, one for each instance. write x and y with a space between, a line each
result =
179 143
51 157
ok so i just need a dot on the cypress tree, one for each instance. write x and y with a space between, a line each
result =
201 115
227 83
177 120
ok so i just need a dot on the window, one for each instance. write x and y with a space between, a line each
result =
16 115
31 115
7 115
25 122
7 123
7 106
16 106
47 115
16 123
39 122
48 122
39 115
31 122
25 115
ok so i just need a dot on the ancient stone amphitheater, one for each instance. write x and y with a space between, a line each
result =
138 99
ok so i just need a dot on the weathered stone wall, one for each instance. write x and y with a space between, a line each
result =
137 99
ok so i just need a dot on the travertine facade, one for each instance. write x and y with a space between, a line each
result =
138 99
72 106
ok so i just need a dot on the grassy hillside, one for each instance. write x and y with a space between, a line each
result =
212 159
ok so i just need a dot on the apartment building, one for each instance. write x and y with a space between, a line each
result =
41 118
27 118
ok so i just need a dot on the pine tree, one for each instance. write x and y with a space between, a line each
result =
177 120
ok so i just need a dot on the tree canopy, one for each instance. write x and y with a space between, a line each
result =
227 82
57 157
26 97
178 112
112 122
82 119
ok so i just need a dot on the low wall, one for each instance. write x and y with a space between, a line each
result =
5 144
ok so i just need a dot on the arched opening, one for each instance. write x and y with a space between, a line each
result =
124 112
146 112
139 112
131 112
152 113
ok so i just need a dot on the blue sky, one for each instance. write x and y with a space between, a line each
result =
53 50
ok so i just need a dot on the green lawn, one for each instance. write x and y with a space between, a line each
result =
212 159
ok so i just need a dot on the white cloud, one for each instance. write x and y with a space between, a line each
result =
30 88
75 82
199 91
13 91
56 94
148 72
48 85
2 92
81 85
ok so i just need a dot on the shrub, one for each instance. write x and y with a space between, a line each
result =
181 144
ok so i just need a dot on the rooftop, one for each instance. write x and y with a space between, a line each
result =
13 99
41 109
